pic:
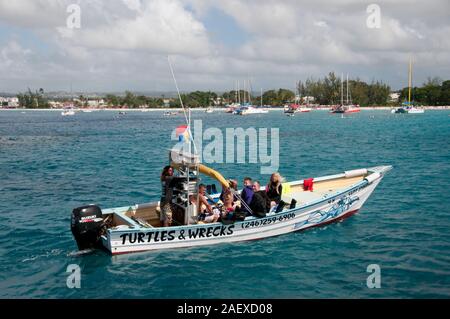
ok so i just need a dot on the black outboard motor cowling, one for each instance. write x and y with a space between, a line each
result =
86 226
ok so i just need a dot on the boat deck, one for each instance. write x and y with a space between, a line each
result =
147 215
321 189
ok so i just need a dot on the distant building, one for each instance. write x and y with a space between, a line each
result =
92 103
9 102
394 97
308 99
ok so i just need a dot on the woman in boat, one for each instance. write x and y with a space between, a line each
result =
233 187
166 197
274 188
228 207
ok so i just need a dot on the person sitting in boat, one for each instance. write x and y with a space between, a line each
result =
233 187
274 188
247 193
193 212
228 207
260 204
166 197
206 212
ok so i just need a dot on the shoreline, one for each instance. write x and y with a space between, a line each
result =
371 108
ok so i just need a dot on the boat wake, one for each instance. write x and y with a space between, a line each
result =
80 253
51 253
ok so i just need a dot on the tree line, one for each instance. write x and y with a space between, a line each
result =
325 91
131 100
33 100
433 92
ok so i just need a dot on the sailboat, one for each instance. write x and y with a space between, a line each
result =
408 107
247 108
296 107
348 107
231 108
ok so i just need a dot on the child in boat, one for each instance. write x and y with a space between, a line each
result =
166 197
274 188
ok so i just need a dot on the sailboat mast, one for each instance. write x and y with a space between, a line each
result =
347 89
239 92
342 88
261 97
245 85
409 81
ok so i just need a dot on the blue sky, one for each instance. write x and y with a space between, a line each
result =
124 44
223 29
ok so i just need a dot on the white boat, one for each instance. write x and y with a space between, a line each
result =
408 107
136 228
304 109
415 110
87 111
168 113
304 204
248 110
68 113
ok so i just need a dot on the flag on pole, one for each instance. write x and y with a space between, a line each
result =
182 132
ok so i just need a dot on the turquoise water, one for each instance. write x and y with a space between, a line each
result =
50 164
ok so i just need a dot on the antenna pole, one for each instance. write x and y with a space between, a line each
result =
188 121
178 91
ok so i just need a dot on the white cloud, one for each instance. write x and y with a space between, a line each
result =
163 26
133 4
124 44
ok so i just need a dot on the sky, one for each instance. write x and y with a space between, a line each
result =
118 45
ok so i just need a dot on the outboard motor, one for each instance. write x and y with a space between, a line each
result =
86 226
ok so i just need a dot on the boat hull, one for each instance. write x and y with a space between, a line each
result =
318 213
403 110
346 111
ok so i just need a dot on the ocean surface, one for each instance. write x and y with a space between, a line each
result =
50 164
